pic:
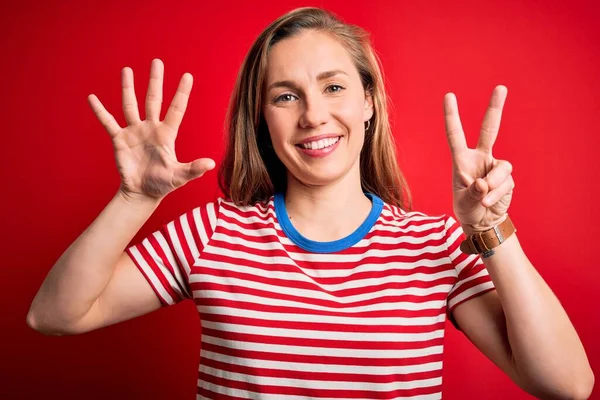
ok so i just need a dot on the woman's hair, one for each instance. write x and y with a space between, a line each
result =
251 171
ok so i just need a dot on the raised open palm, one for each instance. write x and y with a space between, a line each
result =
145 150
483 186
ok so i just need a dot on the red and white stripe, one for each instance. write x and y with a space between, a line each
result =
282 323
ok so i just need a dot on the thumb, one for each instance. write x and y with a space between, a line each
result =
195 169
477 191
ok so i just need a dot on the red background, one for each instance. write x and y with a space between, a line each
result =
58 170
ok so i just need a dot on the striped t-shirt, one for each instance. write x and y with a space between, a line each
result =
287 318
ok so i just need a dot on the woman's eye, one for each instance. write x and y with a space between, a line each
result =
285 98
334 88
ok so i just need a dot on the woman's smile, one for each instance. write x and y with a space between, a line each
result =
319 146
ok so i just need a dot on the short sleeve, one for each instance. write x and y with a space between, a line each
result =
165 257
472 277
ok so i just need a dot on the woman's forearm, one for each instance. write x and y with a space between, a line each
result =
546 349
83 271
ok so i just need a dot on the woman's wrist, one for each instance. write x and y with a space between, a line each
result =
469 229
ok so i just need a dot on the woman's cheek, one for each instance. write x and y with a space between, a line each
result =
276 130
350 111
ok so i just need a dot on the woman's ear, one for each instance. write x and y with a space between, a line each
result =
368 112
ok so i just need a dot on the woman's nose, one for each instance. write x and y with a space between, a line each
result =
315 111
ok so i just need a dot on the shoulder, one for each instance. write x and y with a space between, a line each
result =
227 208
414 220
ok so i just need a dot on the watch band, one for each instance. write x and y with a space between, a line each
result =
484 242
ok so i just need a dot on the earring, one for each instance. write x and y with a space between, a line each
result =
368 125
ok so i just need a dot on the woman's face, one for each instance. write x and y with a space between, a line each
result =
315 108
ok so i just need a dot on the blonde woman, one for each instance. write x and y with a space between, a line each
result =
311 275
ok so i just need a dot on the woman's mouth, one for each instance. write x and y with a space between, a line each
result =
319 148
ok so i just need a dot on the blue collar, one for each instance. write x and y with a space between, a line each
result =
327 247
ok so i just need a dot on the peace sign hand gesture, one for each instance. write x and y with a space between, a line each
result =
145 150
483 186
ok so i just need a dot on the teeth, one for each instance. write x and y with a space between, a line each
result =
320 144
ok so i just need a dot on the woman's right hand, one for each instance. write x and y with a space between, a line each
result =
145 150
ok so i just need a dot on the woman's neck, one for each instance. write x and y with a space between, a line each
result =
326 213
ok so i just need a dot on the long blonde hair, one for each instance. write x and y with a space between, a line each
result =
251 171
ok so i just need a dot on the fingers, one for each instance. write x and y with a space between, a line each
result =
194 169
470 199
477 190
130 106
501 170
499 181
154 95
496 184
491 120
179 103
105 118
495 195
454 130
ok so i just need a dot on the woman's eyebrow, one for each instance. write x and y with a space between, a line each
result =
320 77
329 74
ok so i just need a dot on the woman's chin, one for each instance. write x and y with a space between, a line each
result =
319 178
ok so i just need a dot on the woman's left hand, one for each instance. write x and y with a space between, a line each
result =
483 186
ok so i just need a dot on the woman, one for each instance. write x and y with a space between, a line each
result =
311 276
